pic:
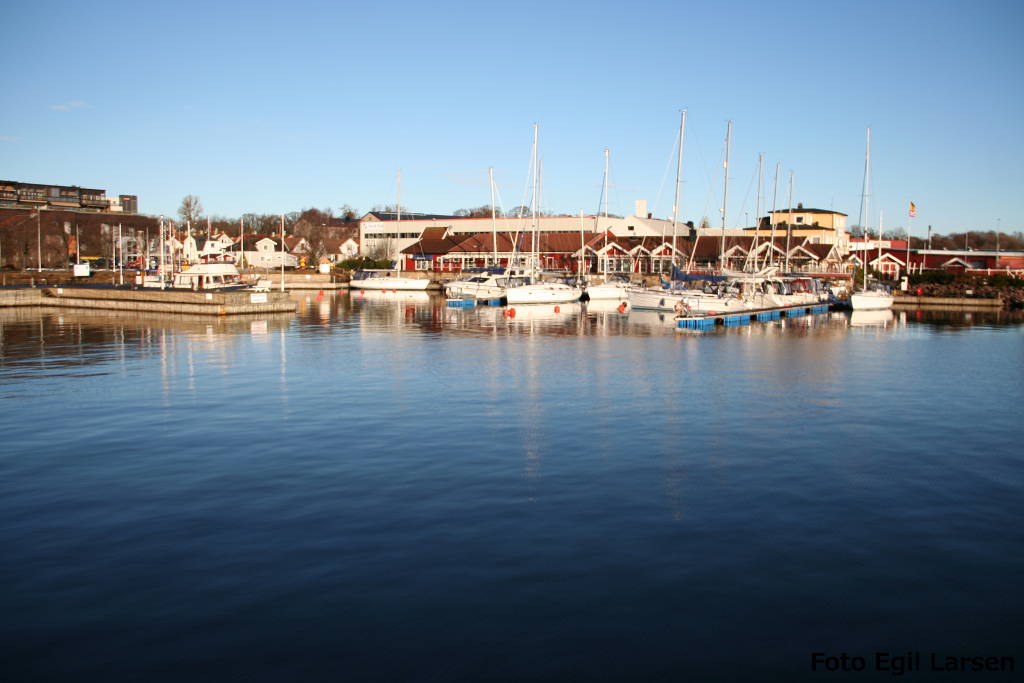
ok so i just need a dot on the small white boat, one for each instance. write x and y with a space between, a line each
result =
386 279
614 289
877 299
543 293
487 285
210 273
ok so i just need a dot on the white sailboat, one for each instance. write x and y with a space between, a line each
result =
877 297
540 292
615 288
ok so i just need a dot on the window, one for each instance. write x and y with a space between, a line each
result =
799 219
423 264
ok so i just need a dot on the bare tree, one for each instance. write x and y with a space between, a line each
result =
191 209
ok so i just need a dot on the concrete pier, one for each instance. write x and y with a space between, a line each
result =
906 301
151 300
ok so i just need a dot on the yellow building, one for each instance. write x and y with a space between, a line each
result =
820 226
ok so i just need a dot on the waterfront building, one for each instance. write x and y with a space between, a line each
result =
64 197
386 235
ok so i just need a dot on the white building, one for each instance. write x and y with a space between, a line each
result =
385 235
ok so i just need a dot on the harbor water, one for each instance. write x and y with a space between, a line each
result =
379 487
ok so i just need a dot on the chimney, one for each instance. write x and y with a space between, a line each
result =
641 208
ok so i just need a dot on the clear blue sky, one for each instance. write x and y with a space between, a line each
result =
276 107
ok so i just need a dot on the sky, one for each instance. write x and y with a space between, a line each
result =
271 107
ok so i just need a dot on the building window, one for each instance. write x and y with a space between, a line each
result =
799 219
423 264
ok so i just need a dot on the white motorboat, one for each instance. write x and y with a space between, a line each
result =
386 279
488 285
543 293
212 272
877 299
614 289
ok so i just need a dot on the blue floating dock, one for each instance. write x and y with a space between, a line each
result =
461 303
708 322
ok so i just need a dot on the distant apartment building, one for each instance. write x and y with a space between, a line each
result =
64 197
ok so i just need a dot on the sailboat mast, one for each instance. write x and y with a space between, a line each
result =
679 172
789 221
725 194
533 201
604 191
881 222
757 212
494 222
770 256
865 193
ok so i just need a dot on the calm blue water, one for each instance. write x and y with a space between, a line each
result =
386 489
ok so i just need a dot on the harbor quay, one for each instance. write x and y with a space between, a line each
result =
216 303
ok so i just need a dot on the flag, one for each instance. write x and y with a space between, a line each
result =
913 210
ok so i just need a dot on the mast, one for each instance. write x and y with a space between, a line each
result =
533 202
679 171
604 196
725 195
770 256
398 212
881 222
161 252
241 238
757 212
282 252
494 222
789 222
579 261
865 193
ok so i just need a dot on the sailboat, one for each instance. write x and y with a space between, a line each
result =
612 288
877 297
718 294
539 292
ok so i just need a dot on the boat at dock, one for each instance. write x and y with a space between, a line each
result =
212 272
490 284
386 279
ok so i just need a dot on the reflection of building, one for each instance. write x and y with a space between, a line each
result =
32 195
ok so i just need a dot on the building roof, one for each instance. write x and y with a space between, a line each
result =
393 216
801 209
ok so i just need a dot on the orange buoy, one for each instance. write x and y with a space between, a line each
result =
511 312
622 307
558 309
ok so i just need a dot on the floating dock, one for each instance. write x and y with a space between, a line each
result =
214 302
710 321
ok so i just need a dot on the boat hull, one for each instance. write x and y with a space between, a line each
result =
870 301
389 283
553 293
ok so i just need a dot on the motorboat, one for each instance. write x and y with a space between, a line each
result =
613 288
543 293
386 279
875 297
212 272
486 285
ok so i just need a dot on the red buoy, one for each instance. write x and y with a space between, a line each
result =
558 309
